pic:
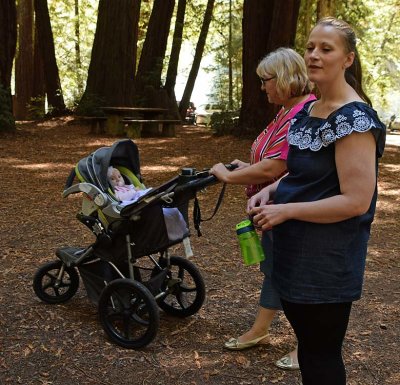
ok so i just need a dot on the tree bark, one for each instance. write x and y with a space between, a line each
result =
24 59
175 49
148 75
55 98
230 53
38 99
266 26
172 71
78 62
325 8
111 74
187 93
8 41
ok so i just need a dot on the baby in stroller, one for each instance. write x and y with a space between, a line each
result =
125 193
127 291
128 194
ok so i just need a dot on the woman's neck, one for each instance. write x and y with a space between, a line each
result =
338 93
291 102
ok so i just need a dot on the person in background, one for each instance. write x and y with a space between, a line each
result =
324 207
284 79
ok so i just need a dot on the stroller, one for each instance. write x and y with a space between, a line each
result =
128 292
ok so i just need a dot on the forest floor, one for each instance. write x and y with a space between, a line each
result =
63 344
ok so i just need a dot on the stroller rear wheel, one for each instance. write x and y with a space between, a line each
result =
128 313
185 288
52 288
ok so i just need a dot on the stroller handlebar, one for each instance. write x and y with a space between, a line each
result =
192 179
187 183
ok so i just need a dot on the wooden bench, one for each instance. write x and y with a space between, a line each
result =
135 128
97 123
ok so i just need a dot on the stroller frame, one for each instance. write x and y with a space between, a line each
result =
128 295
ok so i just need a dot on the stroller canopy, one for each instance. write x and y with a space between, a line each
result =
93 168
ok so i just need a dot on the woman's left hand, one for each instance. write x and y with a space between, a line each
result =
220 171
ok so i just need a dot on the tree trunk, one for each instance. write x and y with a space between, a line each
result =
24 59
55 98
174 57
148 75
8 41
111 74
187 93
325 8
266 26
78 62
230 53
38 100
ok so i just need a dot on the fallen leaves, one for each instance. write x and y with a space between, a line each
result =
65 344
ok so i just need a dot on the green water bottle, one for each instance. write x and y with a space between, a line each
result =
249 242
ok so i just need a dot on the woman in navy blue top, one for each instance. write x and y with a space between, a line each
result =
324 207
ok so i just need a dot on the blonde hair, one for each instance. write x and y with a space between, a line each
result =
289 69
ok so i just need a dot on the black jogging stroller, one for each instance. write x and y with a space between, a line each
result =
128 292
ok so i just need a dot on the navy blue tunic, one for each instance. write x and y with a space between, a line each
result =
313 262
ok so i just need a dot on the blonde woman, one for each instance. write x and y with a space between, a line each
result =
284 79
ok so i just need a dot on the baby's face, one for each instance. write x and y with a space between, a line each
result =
116 178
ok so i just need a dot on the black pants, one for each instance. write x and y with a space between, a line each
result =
320 330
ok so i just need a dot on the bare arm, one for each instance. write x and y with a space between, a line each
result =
260 172
355 163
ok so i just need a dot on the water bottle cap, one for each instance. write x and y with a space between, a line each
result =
244 226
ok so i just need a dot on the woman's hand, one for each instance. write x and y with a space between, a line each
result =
240 164
259 199
267 216
220 171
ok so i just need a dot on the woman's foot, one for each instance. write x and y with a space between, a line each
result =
245 341
289 362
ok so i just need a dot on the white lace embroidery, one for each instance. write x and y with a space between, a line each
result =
314 138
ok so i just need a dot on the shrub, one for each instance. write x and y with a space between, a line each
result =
224 123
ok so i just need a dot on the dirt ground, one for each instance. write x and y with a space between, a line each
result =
65 344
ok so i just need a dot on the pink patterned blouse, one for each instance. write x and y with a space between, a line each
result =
272 142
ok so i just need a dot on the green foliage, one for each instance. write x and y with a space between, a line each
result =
7 122
376 21
36 107
377 25
224 123
380 55
218 36
90 105
73 66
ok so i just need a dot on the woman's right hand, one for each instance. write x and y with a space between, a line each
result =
259 199
240 164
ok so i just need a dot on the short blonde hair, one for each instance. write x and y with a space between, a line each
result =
289 69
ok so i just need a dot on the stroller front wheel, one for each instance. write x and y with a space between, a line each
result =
51 286
128 313
185 288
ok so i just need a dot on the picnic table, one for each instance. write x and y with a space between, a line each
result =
134 120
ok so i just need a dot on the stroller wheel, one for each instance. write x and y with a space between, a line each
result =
128 313
185 287
51 288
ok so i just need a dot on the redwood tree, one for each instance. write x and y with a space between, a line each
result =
54 93
175 49
24 59
112 66
8 40
267 25
148 75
